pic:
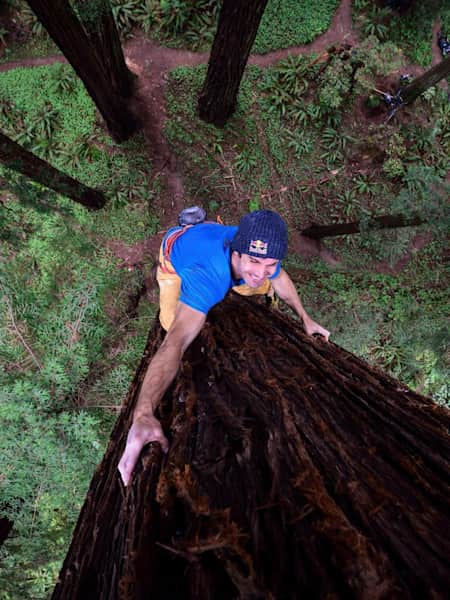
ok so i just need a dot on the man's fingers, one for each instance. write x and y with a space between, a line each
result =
326 334
128 462
164 444
132 451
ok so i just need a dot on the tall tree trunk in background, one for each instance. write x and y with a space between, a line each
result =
97 66
5 528
295 470
236 32
104 36
418 86
17 158
318 232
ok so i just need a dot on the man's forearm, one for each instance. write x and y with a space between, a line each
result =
286 290
160 374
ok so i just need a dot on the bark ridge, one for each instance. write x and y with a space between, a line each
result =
295 471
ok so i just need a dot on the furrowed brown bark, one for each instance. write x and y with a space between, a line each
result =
17 158
236 31
103 35
5 528
419 85
295 471
90 63
384 222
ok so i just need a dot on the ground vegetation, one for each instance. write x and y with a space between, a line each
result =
309 138
91 44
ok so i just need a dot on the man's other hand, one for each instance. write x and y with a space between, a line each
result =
143 431
311 327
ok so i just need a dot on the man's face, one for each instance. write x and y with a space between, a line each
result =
254 271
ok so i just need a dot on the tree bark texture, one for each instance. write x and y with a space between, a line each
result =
236 31
96 66
295 471
5 528
102 32
431 77
17 158
318 232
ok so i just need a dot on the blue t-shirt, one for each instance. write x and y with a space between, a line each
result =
202 259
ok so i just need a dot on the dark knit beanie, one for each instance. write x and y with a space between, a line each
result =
262 234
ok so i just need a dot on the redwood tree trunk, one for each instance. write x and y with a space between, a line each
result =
97 66
318 232
236 32
17 158
418 86
5 528
295 471
102 32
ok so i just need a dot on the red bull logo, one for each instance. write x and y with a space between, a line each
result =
258 247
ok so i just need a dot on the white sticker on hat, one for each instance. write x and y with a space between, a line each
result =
258 247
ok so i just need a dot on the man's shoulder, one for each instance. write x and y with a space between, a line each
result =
212 230
204 247
206 240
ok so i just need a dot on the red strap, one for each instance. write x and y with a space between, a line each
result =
171 239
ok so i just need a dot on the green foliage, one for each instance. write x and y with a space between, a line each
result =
28 20
127 15
63 304
64 80
313 90
62 296
48 110
48 460
376 21
245 161
410 30
425 194
397 323
334 144
177 22
201 143
193 24
292 22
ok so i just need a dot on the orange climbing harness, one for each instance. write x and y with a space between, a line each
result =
167 245
166 248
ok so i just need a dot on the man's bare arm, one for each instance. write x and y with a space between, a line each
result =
285 289
160 374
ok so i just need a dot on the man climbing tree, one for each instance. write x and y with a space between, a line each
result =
17 158
198 264
236 32
96 57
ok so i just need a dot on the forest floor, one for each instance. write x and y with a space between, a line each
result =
79 287
152 62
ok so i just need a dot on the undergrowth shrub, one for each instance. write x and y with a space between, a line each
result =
63 306
292 22
47 110
193 24
411 29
